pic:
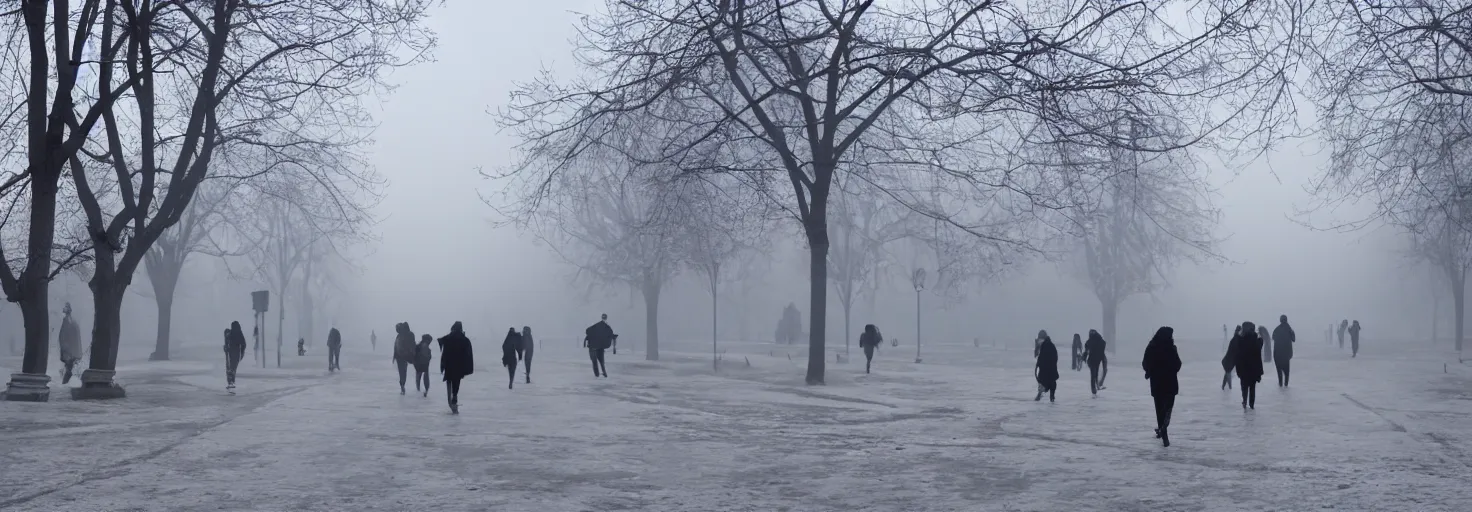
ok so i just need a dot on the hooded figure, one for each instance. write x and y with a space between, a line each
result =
597 338
1229 361
870 340
69 337
334 350
422 355
527 346
1078 353
1354 339
1161 363
404 352
456 362
510 354
1283 339
1249 363
1094 356
1046 369
1267 343
234 352
1343 326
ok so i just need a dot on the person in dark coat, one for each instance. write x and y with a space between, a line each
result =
1249 363
1267 343
869 341
1354 339
597 338
1078 353
1094 356
1343 326
1283 340
69 340
527 346
510 354
301 347
404 352
456 362
1229 361
1161 363
1046 369
334 350
422 355
234 352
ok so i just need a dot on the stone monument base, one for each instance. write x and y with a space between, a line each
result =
28 387
98 385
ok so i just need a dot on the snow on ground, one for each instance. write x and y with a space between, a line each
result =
958 432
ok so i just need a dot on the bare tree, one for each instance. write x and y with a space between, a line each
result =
789 92
720 221
863 224
1377 54
195 232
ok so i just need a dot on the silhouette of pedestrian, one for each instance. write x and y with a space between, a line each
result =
1162 363
527 346
1354 339
334 350
234 352
1094 356
1229 361
456 362
597 338
1046 369
1283 340
510 353
1249 363
403 352
1078 353
422 355
870 340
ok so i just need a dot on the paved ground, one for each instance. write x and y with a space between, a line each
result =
959 432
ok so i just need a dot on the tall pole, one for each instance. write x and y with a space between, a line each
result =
917 326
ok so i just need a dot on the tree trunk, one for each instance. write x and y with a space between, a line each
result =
847 324
715 353
1111 312
818 305
651 320
1435 317
280 324
34 282
1459 300
107 305
164 276
36 317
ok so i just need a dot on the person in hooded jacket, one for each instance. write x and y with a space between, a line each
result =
870 340
334 350
597 338
1267 343
69 337
1037 345
510 353
1046 369
403 352
422 355
1078 353
1094 356
1229 361
1354 339
456 362
234 352
1249 363
527 346
1283 340
1162 363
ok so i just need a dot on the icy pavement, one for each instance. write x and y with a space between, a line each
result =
959 432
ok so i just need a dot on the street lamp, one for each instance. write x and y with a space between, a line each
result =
918 278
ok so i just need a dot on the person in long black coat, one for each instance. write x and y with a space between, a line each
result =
456 362
1267 344
334 350
422 355
1354 339
1162 363
869 341
1249 363
510 354
1283 339
403 352
1046 369
1078 353
528 347
234 352
597 338
1229 361
1094 355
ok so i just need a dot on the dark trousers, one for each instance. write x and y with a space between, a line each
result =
1163 406
333 362
452 390
596 354
232 362
403 372
527 362
421 375
1094 377
868 357
511 370
1282 365
1249 393
1050 386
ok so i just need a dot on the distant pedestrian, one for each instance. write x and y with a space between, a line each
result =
1094 356
1343 326
373 339
510 353
301 347
334 350
234 352
69 337
456 362
1283 340
1162 363
1037 347
870 340
1229 361
1046 370
527 346
403 352
597 338
1354 339
1078 353
422 355
1267 343
1249 363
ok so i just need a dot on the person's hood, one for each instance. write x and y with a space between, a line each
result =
1165 337
457 328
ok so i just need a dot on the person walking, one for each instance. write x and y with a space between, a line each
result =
457 361
870 340
1229 361
597 338
1037 347
234 352
1078 353
422 355
69 338
1283 340
1249 364
334 350
1162 363
1046 370
1267 343
527 346
510 353
373 340
404 353
1354 339
1343 326
1094 356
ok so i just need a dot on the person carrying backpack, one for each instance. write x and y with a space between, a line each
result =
403 352
422 356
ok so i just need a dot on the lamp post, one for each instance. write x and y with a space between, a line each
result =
918 278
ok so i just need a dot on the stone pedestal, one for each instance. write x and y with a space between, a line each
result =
98 385
28 387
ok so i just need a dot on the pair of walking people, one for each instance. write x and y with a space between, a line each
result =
407 352
1045 370
518 346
